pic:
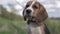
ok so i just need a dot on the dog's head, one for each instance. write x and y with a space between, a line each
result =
34 10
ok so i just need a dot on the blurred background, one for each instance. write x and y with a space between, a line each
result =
11 20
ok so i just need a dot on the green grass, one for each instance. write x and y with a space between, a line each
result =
11 26
53 25
18 26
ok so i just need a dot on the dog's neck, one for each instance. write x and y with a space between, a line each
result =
35 28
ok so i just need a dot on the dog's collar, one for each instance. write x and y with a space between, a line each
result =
37 22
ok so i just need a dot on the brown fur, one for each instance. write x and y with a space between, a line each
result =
41 15
42 27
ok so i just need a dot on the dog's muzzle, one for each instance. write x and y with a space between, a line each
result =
28 13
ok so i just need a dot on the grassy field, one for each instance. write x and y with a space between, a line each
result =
18 26
11 27
53 25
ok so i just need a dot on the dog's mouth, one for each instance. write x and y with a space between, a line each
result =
30 17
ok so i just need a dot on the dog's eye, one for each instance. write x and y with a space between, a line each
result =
35 7
27 5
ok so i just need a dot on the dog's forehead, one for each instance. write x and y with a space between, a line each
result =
32 3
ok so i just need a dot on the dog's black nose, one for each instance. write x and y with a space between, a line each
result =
28 11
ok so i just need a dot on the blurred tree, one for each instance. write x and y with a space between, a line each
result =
13 10
2 10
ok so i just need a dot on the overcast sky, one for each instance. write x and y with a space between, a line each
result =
52 6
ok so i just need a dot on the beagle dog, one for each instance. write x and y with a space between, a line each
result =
35 14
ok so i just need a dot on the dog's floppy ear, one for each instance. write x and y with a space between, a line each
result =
24 15
42 15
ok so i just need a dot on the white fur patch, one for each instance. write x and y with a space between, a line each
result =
33 30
